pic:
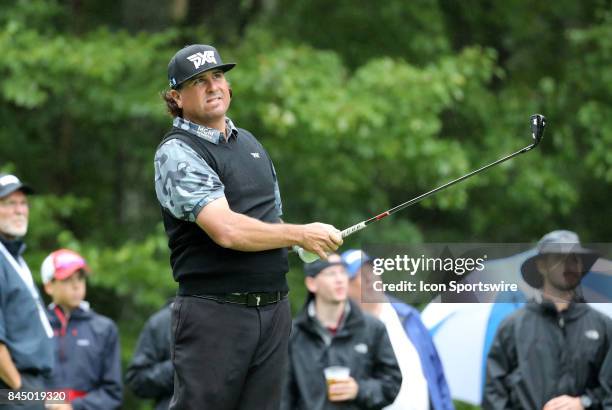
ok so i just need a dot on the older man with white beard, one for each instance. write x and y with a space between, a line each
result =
26 349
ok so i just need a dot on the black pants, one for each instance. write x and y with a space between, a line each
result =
28 382
228 356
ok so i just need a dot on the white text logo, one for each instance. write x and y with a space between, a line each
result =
592 334
361 348
199 59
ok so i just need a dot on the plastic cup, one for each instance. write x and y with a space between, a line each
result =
335 374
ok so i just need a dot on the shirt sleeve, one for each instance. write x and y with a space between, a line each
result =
184 182
277 195
383 385
496 392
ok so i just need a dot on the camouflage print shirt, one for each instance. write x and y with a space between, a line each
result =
184 182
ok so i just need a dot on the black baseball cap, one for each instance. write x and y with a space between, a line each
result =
314 268
10 183
193 60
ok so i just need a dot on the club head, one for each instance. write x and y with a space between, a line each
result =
538 123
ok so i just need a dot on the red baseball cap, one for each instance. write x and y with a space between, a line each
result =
61 264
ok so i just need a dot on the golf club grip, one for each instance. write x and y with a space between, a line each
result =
309 257
352 229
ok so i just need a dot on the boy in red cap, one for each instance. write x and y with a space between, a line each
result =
87 361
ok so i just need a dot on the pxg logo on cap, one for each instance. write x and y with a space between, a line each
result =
193 60
200 58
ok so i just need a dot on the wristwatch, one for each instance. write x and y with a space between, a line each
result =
586 401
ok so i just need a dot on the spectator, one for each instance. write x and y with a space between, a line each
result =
555 352
87 361
26 349
424 385
150 373
333 331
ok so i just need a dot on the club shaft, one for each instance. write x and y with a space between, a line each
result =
357 227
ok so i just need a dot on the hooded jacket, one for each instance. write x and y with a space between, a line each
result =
360 343
87 360
539 354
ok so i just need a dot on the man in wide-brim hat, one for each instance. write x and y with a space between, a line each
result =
555 352
559 265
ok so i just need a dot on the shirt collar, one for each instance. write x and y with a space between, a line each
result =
16 247
209 134
312 313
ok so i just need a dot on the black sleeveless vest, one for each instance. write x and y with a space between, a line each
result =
198 263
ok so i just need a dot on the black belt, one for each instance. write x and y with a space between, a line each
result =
251 299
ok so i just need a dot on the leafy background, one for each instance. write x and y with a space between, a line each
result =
361 104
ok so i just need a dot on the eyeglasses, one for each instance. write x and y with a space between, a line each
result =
13 204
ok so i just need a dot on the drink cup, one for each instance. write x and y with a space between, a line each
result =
335 374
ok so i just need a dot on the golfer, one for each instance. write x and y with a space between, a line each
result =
221 208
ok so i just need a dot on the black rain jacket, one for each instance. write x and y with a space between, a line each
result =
539 354
361 343
150 373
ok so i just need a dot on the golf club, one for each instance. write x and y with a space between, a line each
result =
538 123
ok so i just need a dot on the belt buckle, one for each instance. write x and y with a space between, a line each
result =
254 300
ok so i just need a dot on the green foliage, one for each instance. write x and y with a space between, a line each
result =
361 30
350 132
459 405
594 80
85 95
362 105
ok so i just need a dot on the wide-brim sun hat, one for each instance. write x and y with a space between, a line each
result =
560 242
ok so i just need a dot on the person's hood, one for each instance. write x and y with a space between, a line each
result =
575 310
309 323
